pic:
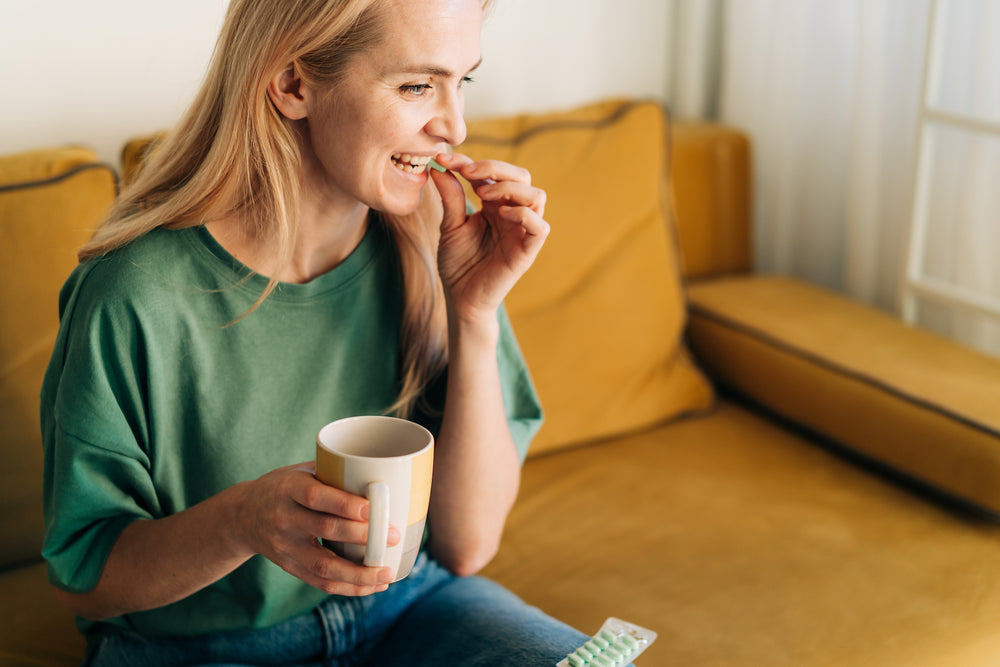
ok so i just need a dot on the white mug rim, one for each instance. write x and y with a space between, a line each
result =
384 418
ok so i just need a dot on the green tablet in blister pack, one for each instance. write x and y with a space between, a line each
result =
617 643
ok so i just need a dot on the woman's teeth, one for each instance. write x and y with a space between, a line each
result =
411 164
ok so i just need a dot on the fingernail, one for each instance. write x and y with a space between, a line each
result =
385 576
364 512
394 535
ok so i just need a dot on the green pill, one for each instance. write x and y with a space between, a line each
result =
433 164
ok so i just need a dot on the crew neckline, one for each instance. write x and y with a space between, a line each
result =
245 278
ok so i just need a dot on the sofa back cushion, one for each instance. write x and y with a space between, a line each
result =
50 202
601 314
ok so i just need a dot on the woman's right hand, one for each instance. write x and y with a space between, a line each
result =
280 516
286 511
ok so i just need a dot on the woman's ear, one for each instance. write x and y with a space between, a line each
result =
289 93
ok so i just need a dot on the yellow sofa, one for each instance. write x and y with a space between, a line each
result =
763 472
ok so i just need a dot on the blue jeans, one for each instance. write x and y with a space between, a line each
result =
430 618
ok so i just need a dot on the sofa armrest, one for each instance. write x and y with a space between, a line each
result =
908 399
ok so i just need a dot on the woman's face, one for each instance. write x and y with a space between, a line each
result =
372 134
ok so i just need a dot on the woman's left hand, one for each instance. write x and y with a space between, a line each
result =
481 256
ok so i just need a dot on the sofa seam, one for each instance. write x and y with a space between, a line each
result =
849 373
52 180
614 116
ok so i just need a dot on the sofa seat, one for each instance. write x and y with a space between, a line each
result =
36 628
743 542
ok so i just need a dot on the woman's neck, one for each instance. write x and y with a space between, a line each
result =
323 240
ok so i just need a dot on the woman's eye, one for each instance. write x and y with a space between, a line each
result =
415 88
467 80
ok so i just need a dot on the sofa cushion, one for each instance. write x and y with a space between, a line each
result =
50 201
600 315
909 399
743 544
37 628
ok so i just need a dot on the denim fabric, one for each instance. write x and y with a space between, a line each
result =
430 618
475 622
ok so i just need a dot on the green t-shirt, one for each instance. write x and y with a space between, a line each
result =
151 403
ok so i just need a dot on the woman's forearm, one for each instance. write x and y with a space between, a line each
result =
156 562
279 516
476 467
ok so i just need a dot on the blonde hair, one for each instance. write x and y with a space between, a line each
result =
234 152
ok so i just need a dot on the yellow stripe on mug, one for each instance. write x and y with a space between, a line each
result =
422 469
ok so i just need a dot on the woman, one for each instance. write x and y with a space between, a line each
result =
283 261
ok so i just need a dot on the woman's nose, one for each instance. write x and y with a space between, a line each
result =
448 123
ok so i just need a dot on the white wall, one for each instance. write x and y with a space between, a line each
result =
102 71
545 54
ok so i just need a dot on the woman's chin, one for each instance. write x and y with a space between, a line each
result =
402 203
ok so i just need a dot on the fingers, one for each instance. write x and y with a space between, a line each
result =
302 511
513 194
318 566
452 198
334 514
321 568
319 497
485 170
339 529
497 182
536 229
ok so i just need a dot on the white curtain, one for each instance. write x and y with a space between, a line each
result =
694 57
830 93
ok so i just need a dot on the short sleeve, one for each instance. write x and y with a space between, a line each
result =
97 473
520 399
91 495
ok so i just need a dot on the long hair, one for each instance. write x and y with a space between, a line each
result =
233 152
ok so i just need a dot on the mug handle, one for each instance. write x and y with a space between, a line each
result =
378 524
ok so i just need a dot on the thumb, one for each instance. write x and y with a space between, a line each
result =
452 198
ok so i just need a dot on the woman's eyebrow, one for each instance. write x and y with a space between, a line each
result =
434 70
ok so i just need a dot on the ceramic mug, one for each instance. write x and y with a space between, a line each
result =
389 461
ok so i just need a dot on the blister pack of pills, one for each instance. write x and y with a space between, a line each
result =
617 643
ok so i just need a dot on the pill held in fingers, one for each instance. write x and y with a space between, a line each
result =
437 166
